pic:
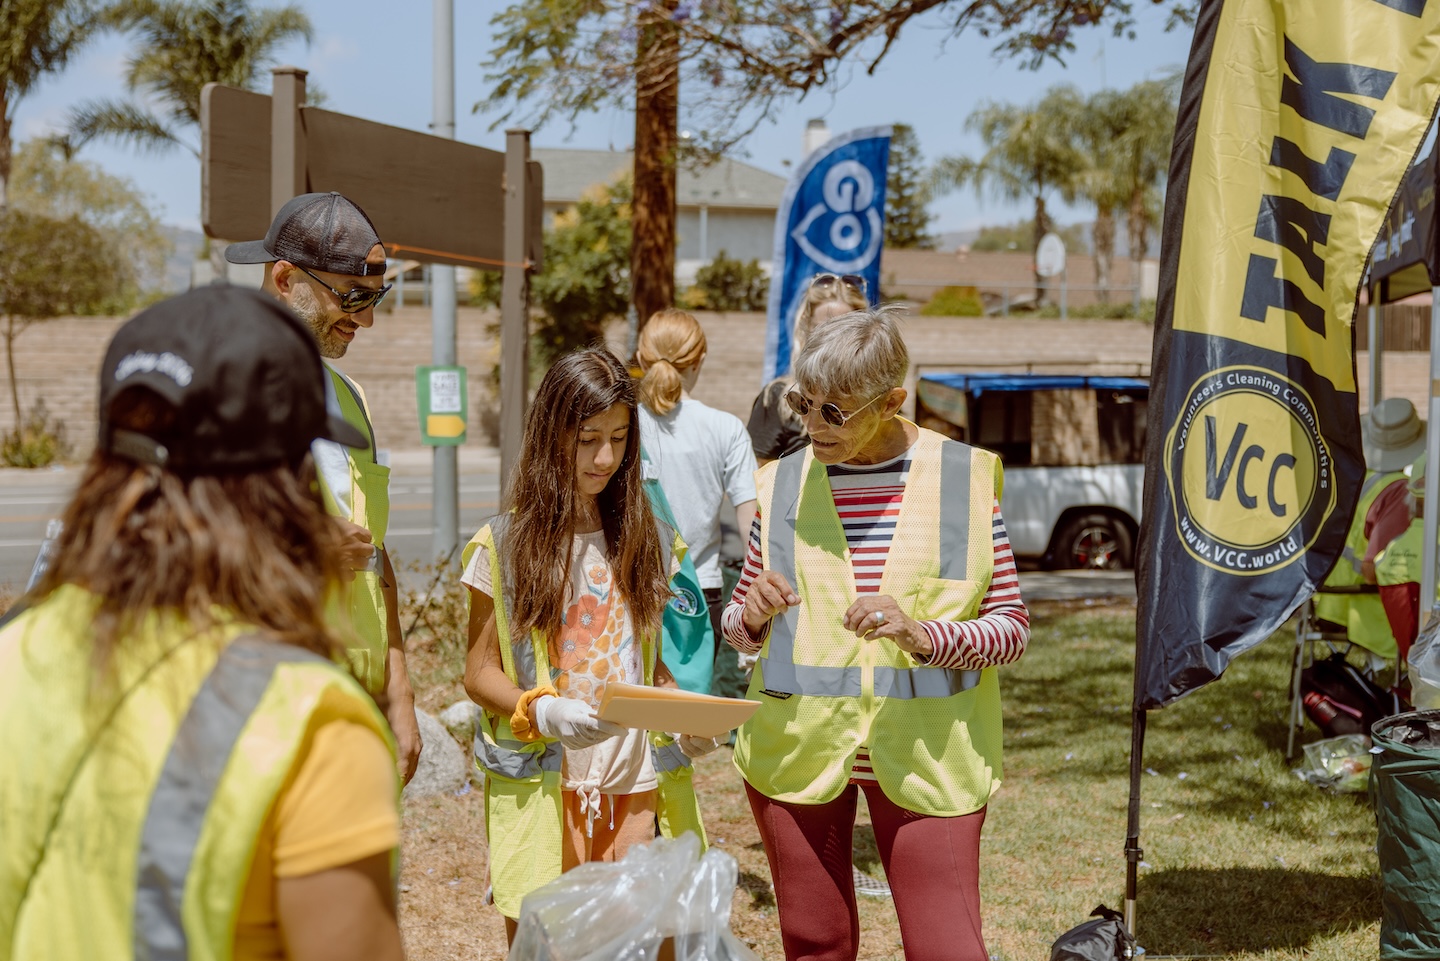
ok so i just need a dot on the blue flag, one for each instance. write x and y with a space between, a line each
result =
831 220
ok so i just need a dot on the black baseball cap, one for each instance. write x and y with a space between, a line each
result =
320 231
242 372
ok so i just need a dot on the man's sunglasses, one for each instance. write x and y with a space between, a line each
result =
829 413
355 299
853 281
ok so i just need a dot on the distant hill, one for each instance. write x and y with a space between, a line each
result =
187 245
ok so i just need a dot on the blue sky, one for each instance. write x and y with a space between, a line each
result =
373 62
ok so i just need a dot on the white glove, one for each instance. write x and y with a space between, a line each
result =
693 747
573 722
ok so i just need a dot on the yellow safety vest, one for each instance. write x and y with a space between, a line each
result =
131 807
364 627
524 819
1403 559
1362 614
933 733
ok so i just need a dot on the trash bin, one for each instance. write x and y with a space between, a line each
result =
1405 787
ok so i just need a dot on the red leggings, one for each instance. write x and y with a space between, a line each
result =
932 864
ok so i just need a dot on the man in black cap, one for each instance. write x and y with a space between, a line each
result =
325 261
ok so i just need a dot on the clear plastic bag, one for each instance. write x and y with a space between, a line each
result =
1424 663
659 898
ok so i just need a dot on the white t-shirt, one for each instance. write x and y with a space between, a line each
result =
596 644
702 455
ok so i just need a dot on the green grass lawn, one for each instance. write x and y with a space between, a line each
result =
1242 859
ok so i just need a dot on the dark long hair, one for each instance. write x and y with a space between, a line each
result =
540 542
257 546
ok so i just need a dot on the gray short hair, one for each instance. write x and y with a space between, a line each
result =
860 354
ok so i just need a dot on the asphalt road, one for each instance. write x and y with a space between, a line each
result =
29 499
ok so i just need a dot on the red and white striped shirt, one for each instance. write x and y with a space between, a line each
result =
868 499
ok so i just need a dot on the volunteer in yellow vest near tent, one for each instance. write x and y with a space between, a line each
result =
186 770
1394 435
880 592
325 261
567 588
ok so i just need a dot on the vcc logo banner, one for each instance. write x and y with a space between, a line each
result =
831 219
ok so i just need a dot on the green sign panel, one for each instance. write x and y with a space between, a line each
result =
442 398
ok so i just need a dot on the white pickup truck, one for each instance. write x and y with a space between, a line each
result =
1072 446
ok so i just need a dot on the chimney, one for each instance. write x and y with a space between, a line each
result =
817 135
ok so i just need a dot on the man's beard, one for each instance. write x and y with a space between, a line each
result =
306 303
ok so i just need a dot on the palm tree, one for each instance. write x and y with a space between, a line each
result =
1031 151
185 45
1101 125
1141 157
37 37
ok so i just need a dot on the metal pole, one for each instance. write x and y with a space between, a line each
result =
704 234
1377 350
287 136
445 497
514 306
1064 298
1432 464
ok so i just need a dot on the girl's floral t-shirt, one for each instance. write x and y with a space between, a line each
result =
597 644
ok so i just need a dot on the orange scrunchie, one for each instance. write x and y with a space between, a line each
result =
520 725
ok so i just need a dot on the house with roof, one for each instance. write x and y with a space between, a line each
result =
729 206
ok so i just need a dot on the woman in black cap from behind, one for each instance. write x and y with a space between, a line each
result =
185 771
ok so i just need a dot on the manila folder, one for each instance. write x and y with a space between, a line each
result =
672 710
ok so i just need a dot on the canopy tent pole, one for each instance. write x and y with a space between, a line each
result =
1376 342
1432 461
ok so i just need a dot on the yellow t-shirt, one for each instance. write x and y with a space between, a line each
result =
337 806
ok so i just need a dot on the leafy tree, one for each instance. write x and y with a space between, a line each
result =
185 44
47 184
907 192
51 267
738 59
1031 152
1020 235
586 278
37 37
729 284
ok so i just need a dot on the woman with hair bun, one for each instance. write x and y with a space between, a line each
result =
702 455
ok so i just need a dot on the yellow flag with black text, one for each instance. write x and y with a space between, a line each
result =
1296 127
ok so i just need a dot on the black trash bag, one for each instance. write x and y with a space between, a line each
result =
1104 939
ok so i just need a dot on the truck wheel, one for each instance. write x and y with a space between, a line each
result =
1096 542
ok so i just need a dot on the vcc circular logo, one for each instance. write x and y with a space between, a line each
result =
1249 472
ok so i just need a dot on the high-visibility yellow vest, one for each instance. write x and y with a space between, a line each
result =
1403 559
130 806
933 733
1362 614
524 818
362 622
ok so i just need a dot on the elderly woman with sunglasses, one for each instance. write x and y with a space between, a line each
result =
881 595
774 428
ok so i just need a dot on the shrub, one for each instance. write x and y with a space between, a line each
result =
728 284
954 302
38 442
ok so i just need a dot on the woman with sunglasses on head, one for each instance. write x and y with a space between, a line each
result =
774 429
880 592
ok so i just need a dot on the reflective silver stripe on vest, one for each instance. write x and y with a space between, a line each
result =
922 682
668 757
507 760
186 787
780 672
954 512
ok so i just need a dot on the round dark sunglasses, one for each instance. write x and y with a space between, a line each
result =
829 413
355 299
